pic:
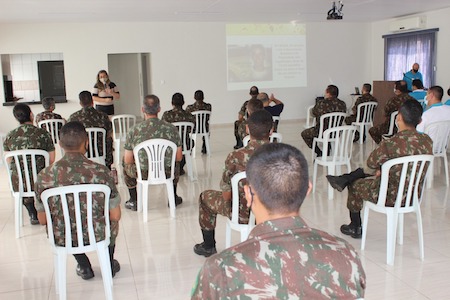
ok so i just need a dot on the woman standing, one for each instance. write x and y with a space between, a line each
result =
104 93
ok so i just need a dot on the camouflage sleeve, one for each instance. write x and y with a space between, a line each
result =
390 108
243 108
47 142
355 107
228 172
164 117
209 282
380 155
38 189
129 141
317 109
114 198
176 136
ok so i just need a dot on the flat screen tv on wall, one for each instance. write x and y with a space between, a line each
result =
51 79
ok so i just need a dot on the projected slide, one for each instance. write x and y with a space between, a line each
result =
266 55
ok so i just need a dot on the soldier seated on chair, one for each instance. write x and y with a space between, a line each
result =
49 105
330 104
241 117
199 104
365 97
28 136
178 114
75 168
212 202
363 187
252 106
283 258
151 128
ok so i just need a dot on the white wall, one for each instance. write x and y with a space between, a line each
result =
435 19
187 57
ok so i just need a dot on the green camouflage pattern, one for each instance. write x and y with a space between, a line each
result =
90 117
242 130
283 259
177 115
363 99
211 202
322 107
152 128
198 105
47 115
404 143
75 168
392 105
27 136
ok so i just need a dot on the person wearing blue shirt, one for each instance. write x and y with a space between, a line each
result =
448 101
418 92
435 111
411 75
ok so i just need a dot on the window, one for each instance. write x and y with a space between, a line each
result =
402 50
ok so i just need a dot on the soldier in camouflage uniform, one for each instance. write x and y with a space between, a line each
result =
283 258
365 97
212 203
200 105
151 128
178 114
75 168
401 95
238 124
28 136
90 117
49 105
330 104
252 106
363 187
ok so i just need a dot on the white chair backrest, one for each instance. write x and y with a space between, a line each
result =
439 132
202 121
392 123
365 112
310 119
412 178
26 169
75 206
276 137
185 130
341 138
154 153
235 195
53 126
95 153
121 124
330 120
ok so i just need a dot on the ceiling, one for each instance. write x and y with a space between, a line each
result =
235 11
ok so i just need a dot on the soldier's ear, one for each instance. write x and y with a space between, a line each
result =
309 188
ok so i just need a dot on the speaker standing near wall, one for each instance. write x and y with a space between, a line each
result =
104 93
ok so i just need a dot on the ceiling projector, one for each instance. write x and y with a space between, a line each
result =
335 13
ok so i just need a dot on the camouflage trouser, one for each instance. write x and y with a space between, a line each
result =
242 130
15 183
350 119
130 174
236 126
211 204
376 132
364 189
109 152
114 225
309 134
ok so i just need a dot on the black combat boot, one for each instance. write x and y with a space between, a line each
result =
353 229
178 199
239 143
208 247
132 203
115 266
84 269
32 213
341 182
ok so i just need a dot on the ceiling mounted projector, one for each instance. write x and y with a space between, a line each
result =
335 13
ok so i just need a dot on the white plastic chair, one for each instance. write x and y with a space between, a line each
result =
233 223
202 118
185 130
439 132
93 152
59 196
327 121
310 119
364 118
274 137
341 154
276 122
155 152
121 124
391 125
52 126
412 178
26 170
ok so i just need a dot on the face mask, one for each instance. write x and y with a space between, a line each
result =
103 80
415 70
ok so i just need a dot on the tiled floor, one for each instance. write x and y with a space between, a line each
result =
158 262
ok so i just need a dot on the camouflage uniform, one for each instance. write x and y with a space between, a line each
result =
283 259
211 202
90 118
75 168
178 115
322 107
200 105
392 105
47 115
27 136
242 130
242 112
363 99
152 128
404 143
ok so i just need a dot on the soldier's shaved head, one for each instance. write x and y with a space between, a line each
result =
263 97
22 113
411 111
278 174
85 99
260 123
73 135
151 105
254 105
48 102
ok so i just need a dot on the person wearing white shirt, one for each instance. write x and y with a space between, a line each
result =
436 110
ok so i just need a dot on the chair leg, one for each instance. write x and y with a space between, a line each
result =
61 274
391 232
194 138
171 195
145 202
314 177
208 146
430 175
364 227
189 162
227 236
400 228
420 232
139 188
332 172
18 215
361 133
313 154
446 169
105 267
